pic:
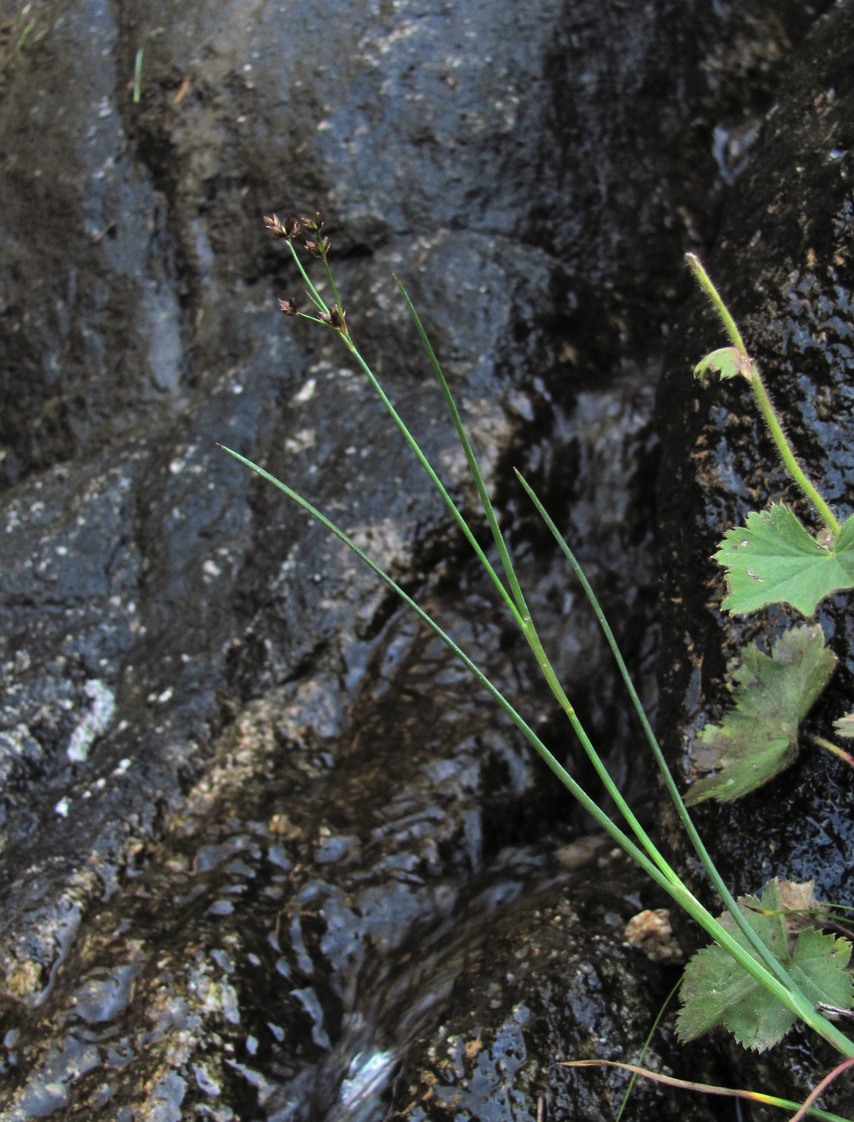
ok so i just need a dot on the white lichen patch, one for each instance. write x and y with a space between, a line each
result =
306 393
302 441
95 723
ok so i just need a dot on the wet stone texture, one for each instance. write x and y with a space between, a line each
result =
784 261
557 962
265 853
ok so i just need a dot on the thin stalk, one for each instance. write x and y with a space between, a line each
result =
310 289
676 890
712 1089
763 399
332 283
829 746
705 282
646 1044
471 459
434 479
819 1089
526 623
690 829
769 415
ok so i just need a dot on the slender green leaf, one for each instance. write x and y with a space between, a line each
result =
670 783
759 737
773 559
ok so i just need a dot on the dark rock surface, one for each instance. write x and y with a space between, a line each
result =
784 262
255 826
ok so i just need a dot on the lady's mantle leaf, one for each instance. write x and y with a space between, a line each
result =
716 990
773 559
727 361
759 736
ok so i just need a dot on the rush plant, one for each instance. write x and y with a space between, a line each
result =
763 970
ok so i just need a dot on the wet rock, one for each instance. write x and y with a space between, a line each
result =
246 805
783 264
553 980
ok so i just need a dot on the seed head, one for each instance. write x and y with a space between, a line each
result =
289 306
314 223
318 247
287 229
335 318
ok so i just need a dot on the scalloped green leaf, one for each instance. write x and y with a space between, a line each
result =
759 737
773 559
716 990
726 361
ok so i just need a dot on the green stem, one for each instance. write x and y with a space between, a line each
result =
763 399
729 901
675 889
526 623
471 459
646 1045
717 303
332 283
599 766
434 479
311 291
769 414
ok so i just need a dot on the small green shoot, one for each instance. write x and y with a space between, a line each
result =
729 365
137 77
715 991
758 738
25 34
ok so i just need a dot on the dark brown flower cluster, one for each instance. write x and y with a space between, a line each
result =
335 318
290 228
287 229
317 247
